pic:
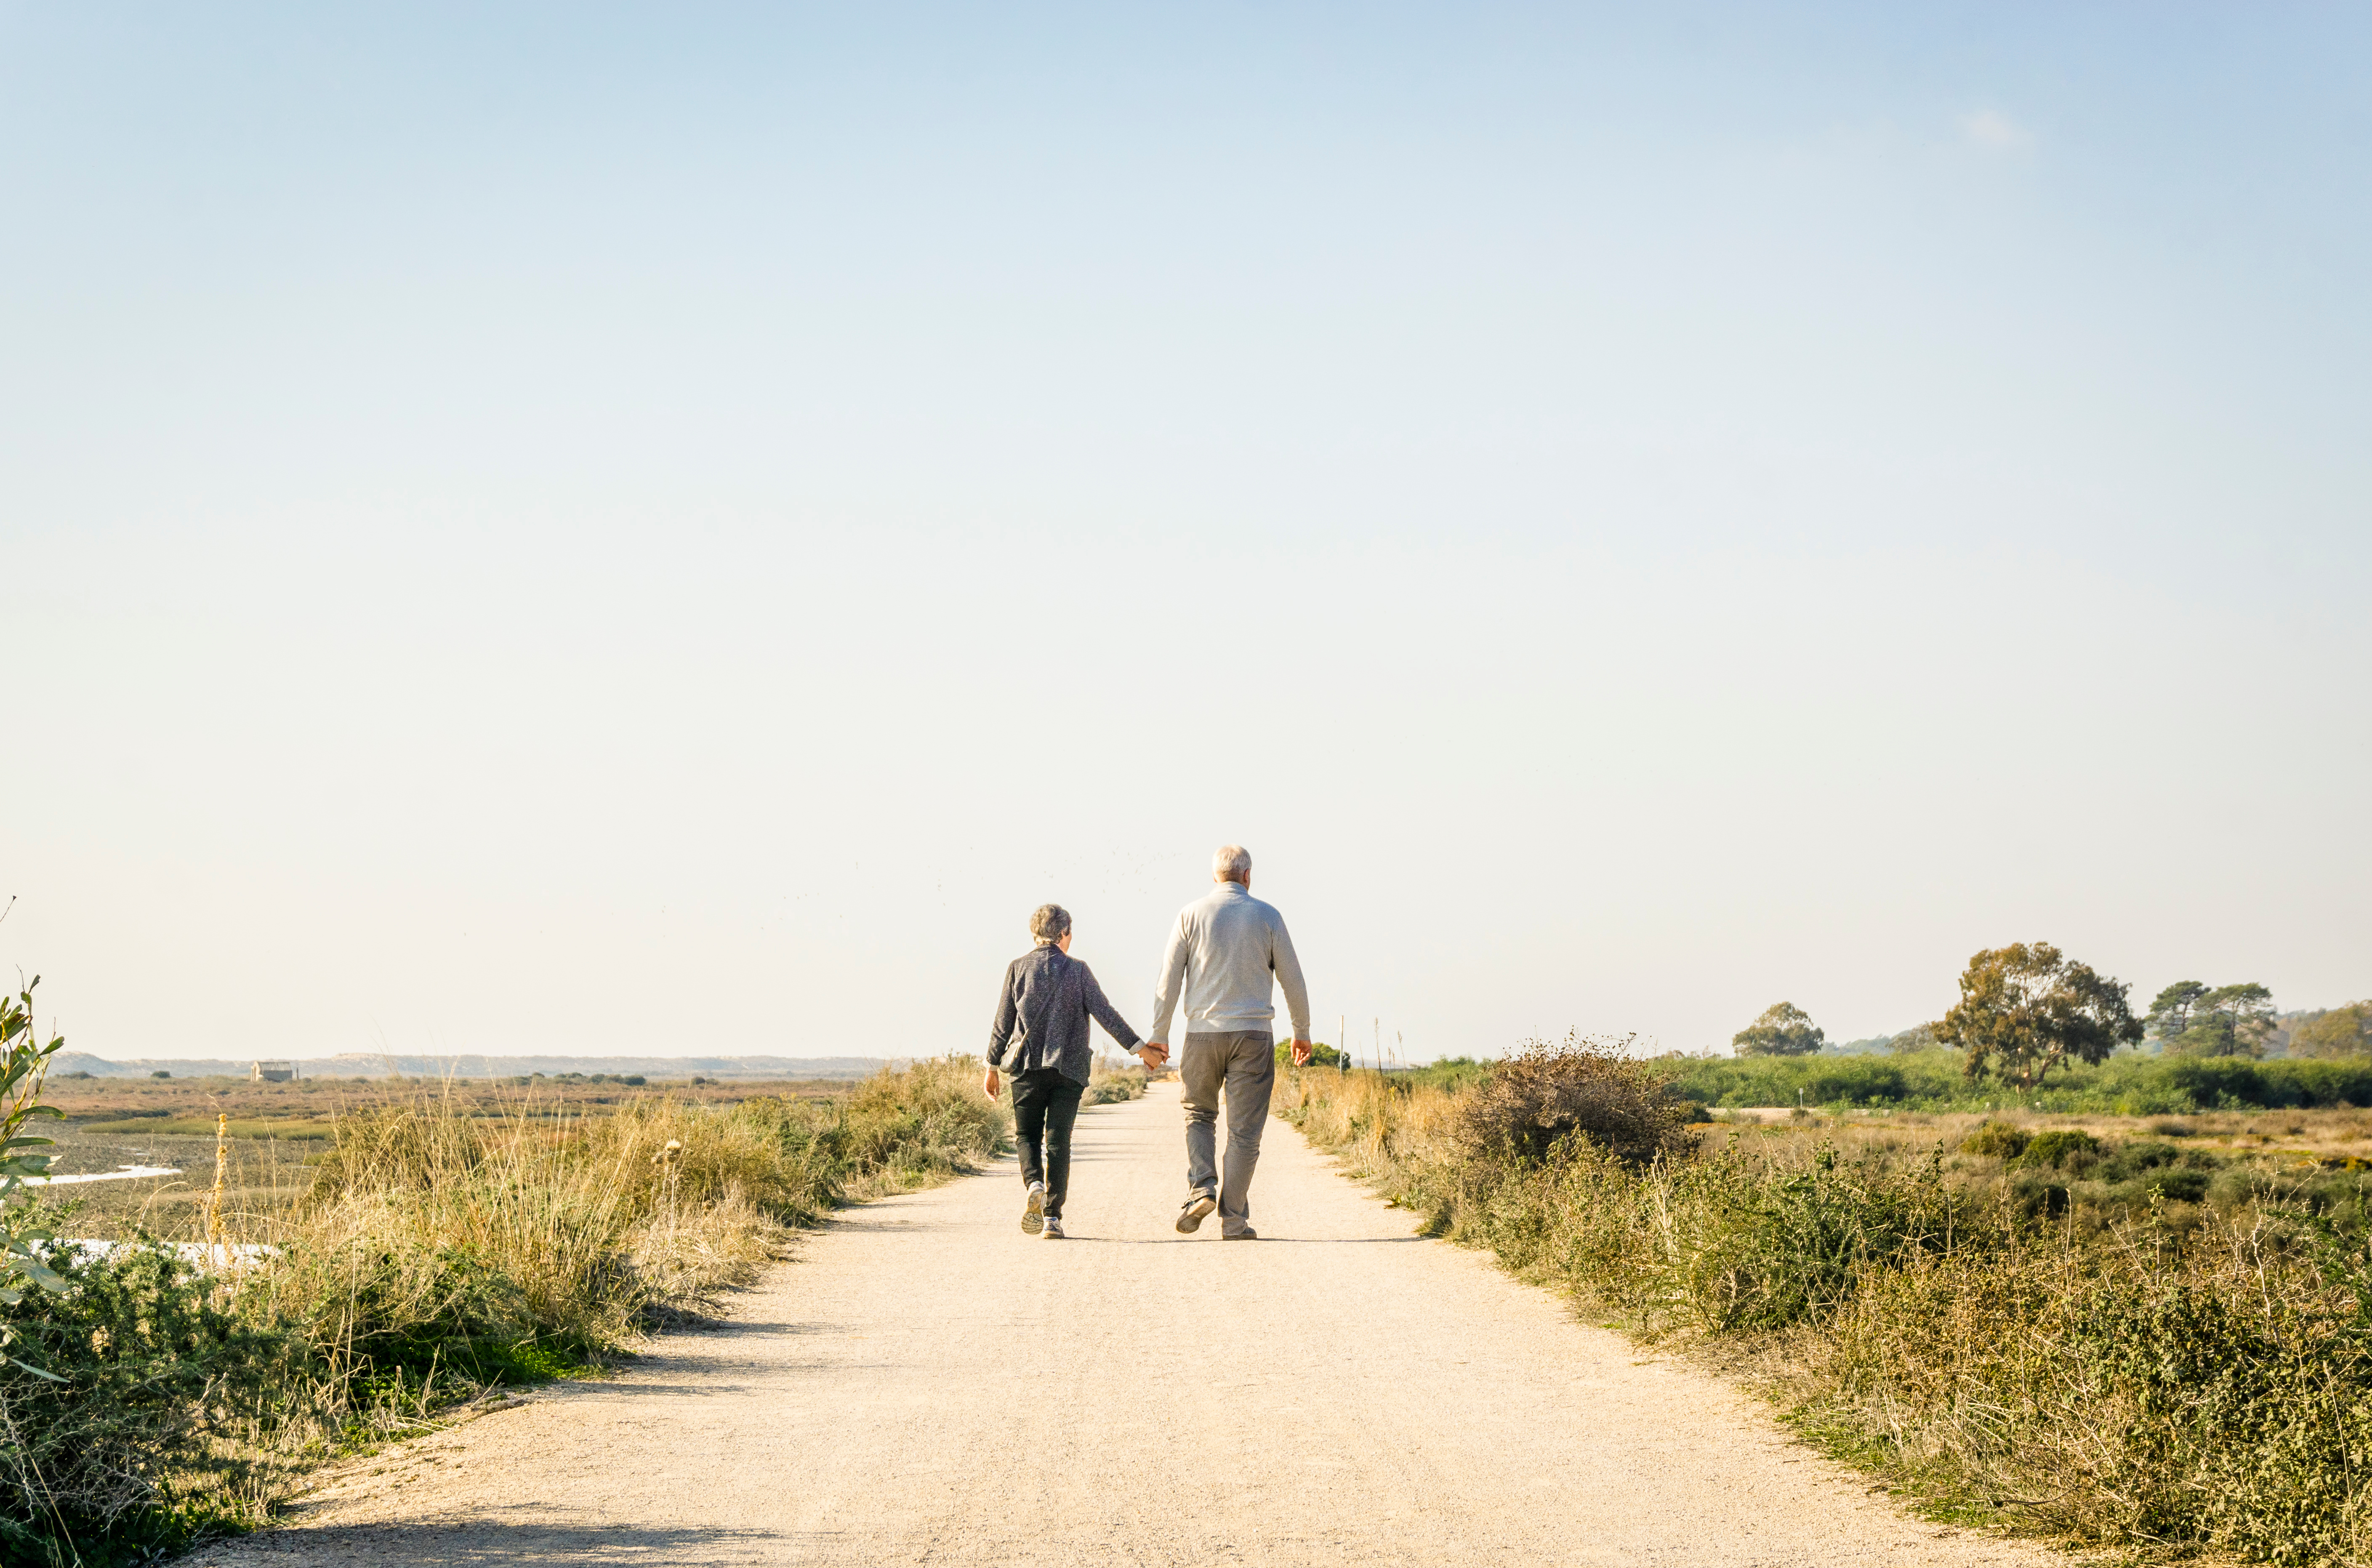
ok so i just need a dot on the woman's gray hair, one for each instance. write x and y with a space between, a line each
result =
1233 862
1048 922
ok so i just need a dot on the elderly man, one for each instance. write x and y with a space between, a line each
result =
1223 954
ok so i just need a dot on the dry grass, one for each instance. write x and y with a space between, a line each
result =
2340 1132
2159 1399
1109 1083
438 1248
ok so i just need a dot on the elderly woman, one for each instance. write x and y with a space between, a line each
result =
1040 1036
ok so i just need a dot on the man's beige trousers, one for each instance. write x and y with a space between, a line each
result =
1243 1063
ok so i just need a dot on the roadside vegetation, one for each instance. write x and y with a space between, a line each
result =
1110 1083
2036 1028
422 1253
2126 1340
2126 1084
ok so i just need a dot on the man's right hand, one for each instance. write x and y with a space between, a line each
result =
1153 1054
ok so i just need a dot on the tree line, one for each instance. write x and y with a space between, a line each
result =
2027 1009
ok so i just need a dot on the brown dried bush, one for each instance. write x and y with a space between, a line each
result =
1584 1083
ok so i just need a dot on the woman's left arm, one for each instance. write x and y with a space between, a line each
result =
1114 1024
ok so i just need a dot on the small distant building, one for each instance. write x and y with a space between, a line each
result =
276 1071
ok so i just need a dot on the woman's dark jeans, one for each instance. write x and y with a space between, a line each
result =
1045 1104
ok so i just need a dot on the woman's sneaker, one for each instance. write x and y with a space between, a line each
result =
1190 1218
1033 1216
1053 1228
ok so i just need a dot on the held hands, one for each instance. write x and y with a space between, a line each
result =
1153 1053
988 1084
1301 1053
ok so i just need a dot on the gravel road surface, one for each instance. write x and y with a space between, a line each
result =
925 1385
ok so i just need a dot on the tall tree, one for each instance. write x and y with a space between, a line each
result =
2231 1020
2026 1008
2342 1031
1784 1029
2169 1016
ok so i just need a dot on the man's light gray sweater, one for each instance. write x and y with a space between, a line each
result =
1223 954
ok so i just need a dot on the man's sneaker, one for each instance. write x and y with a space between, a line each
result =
1033 1217
1053 1228
1190 1218
1247 1234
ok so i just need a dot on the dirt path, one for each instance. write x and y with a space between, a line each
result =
926 1385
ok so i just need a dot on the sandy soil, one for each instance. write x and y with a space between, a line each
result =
927 1386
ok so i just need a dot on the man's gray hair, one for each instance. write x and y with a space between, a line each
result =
1233 862
1048 922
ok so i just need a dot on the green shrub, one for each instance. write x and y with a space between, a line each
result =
1923 1078
2063 1147
2132 1157
131 1442
1320 1055
2126 1084
1996 1140
1452 1072
2125 1399
1811 1237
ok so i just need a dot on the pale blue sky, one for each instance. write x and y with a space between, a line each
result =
584 529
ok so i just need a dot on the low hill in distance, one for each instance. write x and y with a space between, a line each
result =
374 1064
